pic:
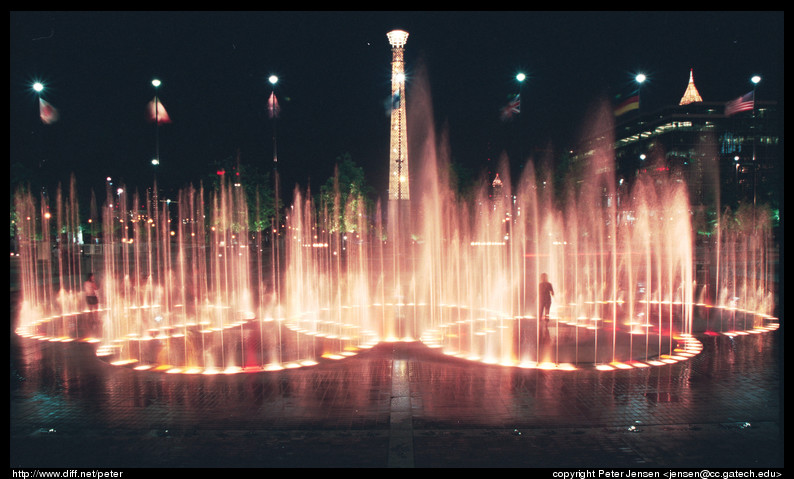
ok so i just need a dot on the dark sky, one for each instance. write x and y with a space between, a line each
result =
335 79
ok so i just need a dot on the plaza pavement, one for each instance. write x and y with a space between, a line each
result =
400 405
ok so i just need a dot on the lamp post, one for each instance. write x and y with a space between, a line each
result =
755 79
520 77
156 159
38 87
272 106
640 79
273 112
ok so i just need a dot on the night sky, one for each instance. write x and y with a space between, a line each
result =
334 70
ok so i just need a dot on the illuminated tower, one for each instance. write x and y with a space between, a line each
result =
398 153
691 94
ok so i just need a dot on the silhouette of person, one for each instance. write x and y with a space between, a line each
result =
90 289
545 292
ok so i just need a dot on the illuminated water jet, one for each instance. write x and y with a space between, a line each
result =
188 289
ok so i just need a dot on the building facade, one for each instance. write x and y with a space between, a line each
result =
726 158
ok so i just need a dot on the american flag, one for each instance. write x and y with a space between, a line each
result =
743 103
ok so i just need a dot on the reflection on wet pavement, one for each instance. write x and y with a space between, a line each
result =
400 405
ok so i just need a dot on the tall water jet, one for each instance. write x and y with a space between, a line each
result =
466 280
187 287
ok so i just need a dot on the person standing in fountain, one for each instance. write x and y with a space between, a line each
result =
91 289
545 292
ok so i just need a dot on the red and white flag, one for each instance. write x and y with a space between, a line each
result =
158 113
272 106
47 112
743 103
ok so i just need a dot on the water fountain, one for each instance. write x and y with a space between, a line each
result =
187 288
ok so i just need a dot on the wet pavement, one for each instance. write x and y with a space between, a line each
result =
400 405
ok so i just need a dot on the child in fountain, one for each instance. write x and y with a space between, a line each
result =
545 292
91 289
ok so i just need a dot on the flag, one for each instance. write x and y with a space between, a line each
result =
47 112
627 105
743 103
159 115
273 109
513 107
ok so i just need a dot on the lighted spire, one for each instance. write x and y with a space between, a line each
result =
399 188
691 94
497 182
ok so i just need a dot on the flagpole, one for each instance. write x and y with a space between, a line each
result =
273 112
640 78
273 79
520 77
156 160
755 79
38 87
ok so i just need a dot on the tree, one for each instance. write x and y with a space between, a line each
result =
258 186
349 187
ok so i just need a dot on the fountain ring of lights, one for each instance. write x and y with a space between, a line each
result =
342 339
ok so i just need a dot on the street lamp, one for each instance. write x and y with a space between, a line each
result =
640 79
38 87
520 77
755 79
273 110
156 160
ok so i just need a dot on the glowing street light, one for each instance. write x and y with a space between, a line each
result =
640 79
38 87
